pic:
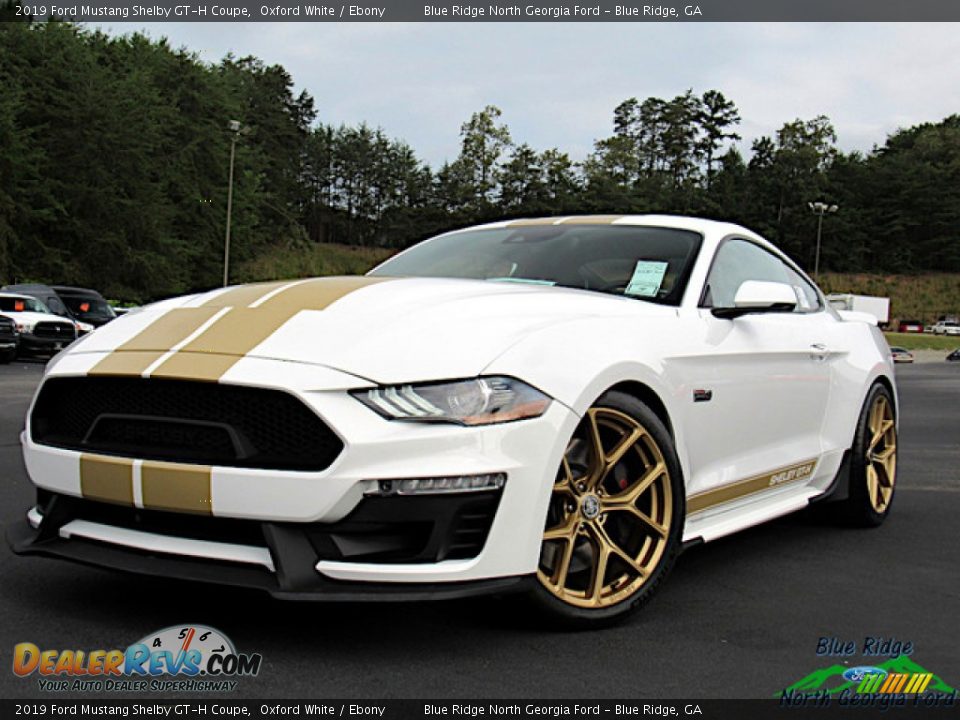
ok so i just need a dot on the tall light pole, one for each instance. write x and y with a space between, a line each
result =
819 209
234 127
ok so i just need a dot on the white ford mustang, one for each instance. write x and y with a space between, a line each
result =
556 406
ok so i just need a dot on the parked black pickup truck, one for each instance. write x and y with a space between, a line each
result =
9 340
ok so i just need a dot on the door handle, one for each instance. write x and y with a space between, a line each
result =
819 347
819 352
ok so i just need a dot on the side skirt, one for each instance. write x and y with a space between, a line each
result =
726 518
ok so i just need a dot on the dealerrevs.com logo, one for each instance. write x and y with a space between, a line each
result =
177 658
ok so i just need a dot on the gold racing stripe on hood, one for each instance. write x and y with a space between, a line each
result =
218 348
168 349
151 343
107 479
173 327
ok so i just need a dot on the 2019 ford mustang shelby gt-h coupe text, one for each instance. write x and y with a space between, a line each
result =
554 405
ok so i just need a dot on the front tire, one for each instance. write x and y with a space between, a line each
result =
873 466
615 520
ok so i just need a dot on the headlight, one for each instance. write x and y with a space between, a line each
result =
84 327
480 401
24 326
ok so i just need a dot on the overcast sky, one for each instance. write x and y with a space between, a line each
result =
557 84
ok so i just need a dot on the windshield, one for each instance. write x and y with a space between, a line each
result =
647 263
25 304
83 307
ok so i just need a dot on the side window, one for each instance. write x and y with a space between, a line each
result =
736 262
56 306
807 298
740 260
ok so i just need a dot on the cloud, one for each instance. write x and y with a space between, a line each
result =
557 83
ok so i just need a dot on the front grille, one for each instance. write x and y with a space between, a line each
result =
7 329
183 421
55 330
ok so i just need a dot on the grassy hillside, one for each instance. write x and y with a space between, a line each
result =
915 297
926 341
318 259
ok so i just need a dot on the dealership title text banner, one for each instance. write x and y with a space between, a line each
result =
486 11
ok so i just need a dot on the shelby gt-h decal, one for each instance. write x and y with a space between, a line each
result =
726 493
506 407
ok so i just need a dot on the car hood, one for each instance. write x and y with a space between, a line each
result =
381 329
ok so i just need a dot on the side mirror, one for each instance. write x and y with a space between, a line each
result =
756 296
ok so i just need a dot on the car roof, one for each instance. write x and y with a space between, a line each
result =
68 290
23 287
683 222
19 296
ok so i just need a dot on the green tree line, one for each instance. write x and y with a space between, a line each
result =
114 163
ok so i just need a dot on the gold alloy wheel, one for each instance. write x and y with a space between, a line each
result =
881 454
610 513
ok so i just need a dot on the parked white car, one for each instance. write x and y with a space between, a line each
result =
947 327
551 405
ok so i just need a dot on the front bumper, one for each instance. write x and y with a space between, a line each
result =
282 504
279 558
42 346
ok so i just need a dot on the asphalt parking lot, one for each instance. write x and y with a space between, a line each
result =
739 618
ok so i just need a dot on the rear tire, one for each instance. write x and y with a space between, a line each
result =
615 521
873 462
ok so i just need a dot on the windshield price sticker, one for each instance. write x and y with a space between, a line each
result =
647 278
